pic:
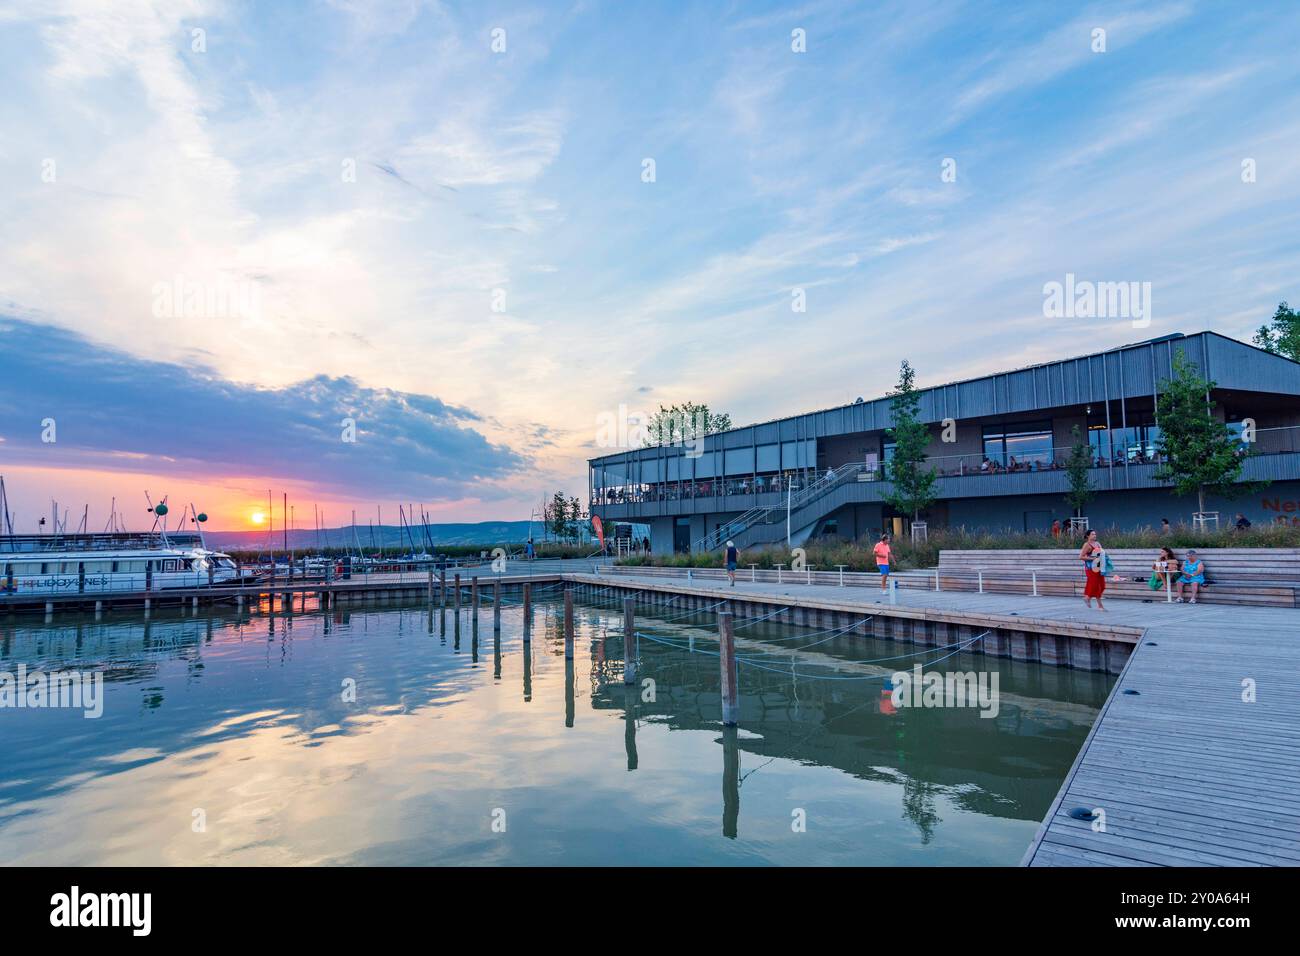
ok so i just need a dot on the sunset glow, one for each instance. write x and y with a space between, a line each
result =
257 517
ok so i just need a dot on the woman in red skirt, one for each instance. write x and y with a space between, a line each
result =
1095 579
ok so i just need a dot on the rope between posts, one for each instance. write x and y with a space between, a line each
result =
698 610
763 618
754 662
832 631
807 676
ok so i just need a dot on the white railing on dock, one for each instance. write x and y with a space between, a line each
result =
1030 581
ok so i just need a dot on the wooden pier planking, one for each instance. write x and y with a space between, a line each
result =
1189 774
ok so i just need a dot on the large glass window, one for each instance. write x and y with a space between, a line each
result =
1019 445
1135 444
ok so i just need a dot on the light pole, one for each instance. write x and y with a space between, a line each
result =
789 492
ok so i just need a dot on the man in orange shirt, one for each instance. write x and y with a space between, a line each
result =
882 554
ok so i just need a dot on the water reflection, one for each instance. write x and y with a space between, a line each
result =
247 716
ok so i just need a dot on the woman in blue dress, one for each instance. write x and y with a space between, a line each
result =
1193 574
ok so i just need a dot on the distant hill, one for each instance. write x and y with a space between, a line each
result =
380 536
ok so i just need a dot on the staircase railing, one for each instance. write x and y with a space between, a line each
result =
772 513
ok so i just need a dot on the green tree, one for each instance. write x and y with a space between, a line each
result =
1282 336
911 485
1198 452
576 516
678 423
1076 473
560 518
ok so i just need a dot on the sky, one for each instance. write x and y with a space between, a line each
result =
413 252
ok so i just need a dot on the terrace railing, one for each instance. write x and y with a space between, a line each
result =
1268 441
795 500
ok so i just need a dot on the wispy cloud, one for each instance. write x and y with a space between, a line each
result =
421 215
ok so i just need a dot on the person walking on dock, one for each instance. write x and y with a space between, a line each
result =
1090 545
1094 570
733 556
529 551
883 555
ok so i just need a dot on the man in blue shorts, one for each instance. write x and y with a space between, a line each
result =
732 557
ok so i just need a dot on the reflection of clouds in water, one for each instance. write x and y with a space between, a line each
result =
249 724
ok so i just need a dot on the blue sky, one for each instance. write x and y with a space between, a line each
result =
514 178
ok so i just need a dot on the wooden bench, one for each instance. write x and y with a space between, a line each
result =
1254 576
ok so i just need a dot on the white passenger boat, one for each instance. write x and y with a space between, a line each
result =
101 564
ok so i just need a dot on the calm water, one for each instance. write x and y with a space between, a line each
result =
243 718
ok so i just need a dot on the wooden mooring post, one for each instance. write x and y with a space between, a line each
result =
496 605
569 707
730 691
456 596
528 613
528 666
568 624
629 641
629 727
730 782
442 587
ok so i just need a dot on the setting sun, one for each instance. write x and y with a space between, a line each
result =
258 517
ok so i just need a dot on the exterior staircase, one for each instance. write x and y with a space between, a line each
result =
803 507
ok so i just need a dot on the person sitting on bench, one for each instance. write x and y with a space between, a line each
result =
1193 574
1168 561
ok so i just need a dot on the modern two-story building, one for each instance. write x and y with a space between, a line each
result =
999 444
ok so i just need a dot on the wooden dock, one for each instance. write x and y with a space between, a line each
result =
1191 770
1039 630
341 590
